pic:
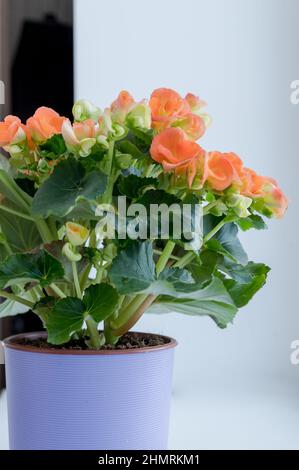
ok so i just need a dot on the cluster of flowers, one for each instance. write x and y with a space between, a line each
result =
177 123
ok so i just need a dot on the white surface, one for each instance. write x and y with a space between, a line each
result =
232 417
241 57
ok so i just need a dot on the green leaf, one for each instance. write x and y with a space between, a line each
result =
26 267
12 192
144 135
203 267
66 318
100 301
227 237
132 185
133 269
67 315
215 245
212 300
248 283
172 281
253 221
21 234
66 187
9 308
53 147
157 196
127 147
44 307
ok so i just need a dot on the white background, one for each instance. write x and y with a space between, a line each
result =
234 388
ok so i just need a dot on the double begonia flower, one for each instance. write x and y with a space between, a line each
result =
44 124
178 154
15 137
169 109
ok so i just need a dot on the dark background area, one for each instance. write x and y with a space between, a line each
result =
37 68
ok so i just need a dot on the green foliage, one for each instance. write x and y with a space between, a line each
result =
253 221
132 186
133 270
26 267
246 282
53 148
226 240
67 315
40 266
66 187
212 300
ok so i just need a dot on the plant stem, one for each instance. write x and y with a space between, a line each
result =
17 193
158 252
7 247
84 277
57 291
208 207
214 231
76 279
16 298
184 260
93 332
162 261
147 302
106 198
188 257
52 225
15 212
126 313
44 230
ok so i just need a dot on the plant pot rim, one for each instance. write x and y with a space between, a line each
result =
11 344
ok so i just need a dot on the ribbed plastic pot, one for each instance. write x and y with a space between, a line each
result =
103 400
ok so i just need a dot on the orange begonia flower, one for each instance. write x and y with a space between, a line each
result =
12 131
167 106
257 186
121 107
223 169
177 153
44 124
193 126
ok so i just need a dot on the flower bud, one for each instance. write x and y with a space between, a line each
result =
239 204
84 109
79 137
77 234
69 253
140 116
102 141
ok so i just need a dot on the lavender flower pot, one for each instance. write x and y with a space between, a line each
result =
104 400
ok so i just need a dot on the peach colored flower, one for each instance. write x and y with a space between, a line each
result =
275 200
121 107
44 124
257 186
195 102
12 131
223 169
192 124
79 137
167 106
178 154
